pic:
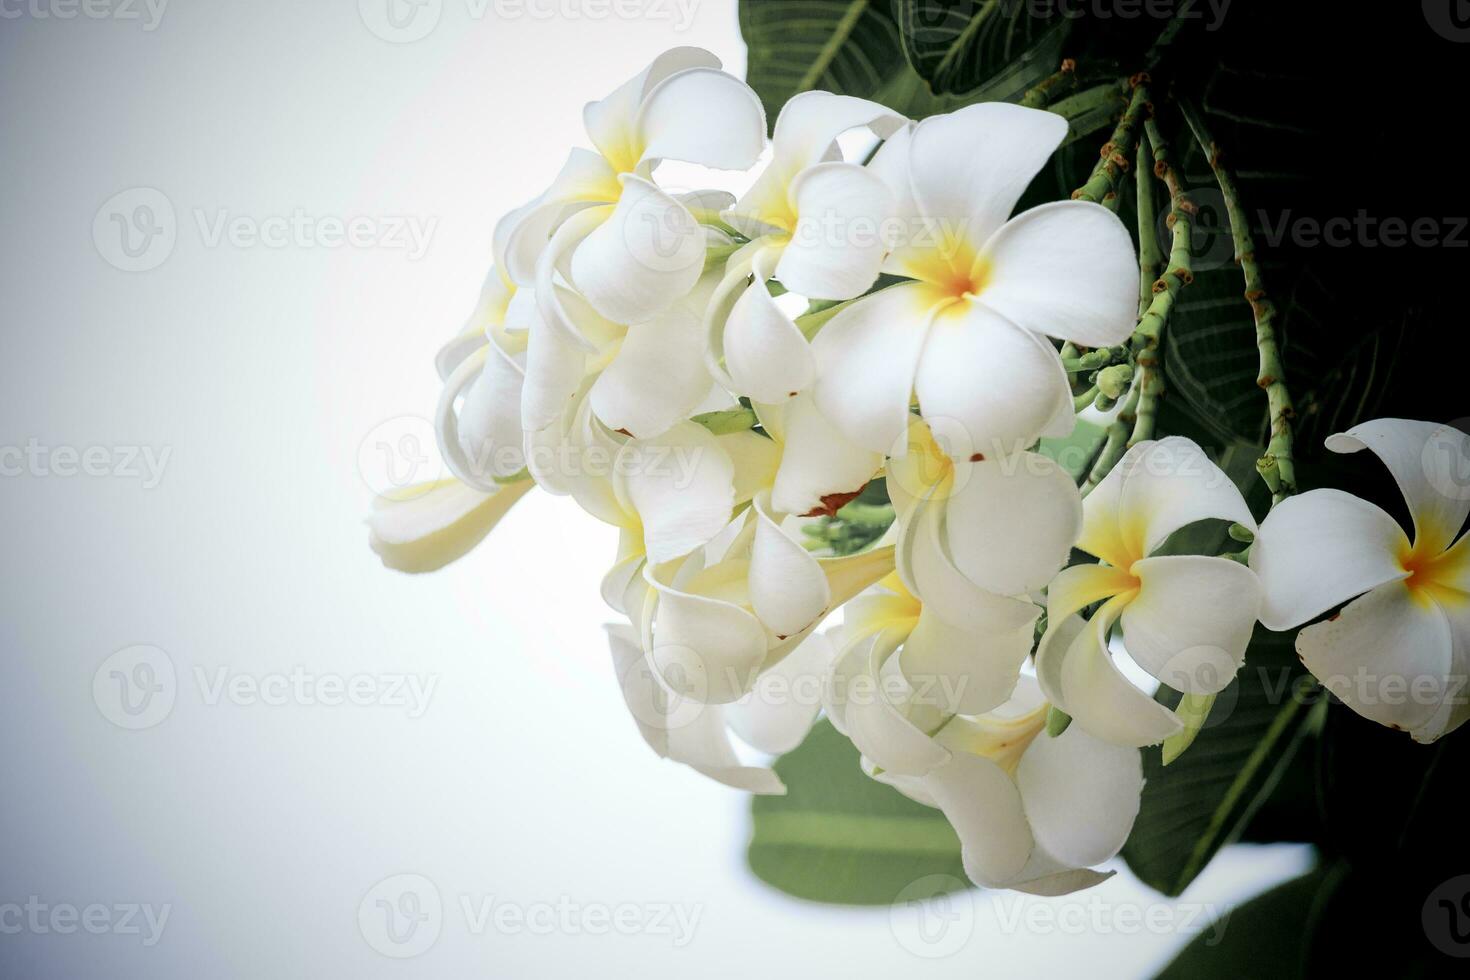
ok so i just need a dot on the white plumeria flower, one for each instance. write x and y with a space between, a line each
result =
773 718
1187 619
1399 654
426 526
1032 813
970 334
816 225
631 249
714 621
820 469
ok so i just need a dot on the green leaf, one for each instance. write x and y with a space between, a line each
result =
839 836
961 45
846 46
1204 799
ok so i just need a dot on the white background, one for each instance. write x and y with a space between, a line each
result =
262 370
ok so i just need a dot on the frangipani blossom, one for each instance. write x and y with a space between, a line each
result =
1187 619
603 226
426 526
1399 654
1032 813
815 223
714 621
969 334
820 469
772 718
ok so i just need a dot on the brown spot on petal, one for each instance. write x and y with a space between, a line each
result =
832 503
977 458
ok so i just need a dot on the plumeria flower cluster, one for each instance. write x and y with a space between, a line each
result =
643 350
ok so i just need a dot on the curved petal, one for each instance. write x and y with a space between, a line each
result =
1431 464
612 123
998 384
984 806
552 267
866 359
927 569
1321 548
704 648
1454 711
1191 621
1097 695
489 421
1081 795
1166 485
489 311
810 122
657 378
766 355
1010 523
963 671
703 116
970 167
1066 269
755 459
818 463
675 729
681 485
1387 655
446 422
837 246
643 259
788 591
776 716
554 373
425 527
877 725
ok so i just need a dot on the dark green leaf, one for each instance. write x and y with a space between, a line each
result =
838 836
961 45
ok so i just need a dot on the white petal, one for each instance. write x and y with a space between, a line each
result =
866 358
875 716
554 373
1191 621
573 320
1387 655
980 375
1010 523
643 259
766 355
427 526
1321 548
1455 710
962 671
489 312
1081 795
776 716
755 459
1430 462
703 116
810 122
680 484
523 234
676 729
704 648
984 806
489 421
657 378
612 123
1166 485
837 246
1066 269
1097 695
788 591
818 461
971 166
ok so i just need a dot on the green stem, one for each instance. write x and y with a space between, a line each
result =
1102 186
1091 109
1277 467
1039 96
